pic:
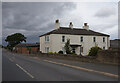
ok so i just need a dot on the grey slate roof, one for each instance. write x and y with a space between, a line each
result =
28 45
74 31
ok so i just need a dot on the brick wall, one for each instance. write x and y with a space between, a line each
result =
24 50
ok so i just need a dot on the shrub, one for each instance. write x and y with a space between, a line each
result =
93 51
50 52
73 53
60 52
67 47
55 52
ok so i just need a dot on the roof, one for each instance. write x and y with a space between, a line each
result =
28 45
74 31
75 45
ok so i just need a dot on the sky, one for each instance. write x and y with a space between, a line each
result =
36 18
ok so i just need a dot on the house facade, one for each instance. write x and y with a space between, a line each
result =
81 40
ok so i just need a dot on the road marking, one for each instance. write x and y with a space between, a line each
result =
85 69
10 59
25 71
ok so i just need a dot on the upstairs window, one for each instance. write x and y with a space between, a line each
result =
94 39
63 38
103 39
81 39
46 38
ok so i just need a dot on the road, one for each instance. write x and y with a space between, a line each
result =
16 67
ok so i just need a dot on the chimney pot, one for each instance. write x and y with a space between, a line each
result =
71 25
57 24
85 24
57 21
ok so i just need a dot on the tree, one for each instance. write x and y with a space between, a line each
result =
15 39
67 47
29 49
94 50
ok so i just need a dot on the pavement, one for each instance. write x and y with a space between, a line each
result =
16 67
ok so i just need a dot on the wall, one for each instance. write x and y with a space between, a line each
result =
104 57
44 44
109 56
56 43
24 50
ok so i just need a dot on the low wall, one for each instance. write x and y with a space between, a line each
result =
68 57
108 56
104 57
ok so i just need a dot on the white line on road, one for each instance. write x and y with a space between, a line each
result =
25 71
85 69
10 59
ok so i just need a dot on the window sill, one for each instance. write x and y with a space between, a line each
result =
47 41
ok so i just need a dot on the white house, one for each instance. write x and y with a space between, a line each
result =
81 40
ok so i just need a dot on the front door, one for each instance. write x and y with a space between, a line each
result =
73 50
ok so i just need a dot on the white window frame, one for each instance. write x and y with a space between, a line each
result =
47 38
47 49
93 39
81 39
63 49
63 39
103 39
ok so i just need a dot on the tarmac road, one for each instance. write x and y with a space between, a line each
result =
16 67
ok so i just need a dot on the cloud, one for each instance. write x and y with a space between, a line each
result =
31 18
35 18
106 12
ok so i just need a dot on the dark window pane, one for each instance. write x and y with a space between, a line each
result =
63 38
81 39
103 39
94 39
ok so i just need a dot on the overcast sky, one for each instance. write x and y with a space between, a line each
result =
35 18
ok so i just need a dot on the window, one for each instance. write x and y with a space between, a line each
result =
94 39
63 38
46 49
104 48
81 39
47 38
103 39
63 49
73 50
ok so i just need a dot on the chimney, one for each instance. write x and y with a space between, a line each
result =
71 25
57 24
86 26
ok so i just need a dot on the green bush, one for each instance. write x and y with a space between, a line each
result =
67 47
55 52
73 53
60 52
50 52
93 51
